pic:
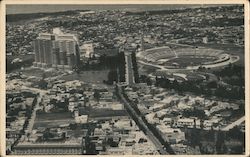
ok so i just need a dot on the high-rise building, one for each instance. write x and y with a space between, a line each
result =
56 50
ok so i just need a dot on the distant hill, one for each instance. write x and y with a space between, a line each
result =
30 16
184 9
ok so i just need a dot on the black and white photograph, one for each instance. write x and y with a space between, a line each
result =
125 79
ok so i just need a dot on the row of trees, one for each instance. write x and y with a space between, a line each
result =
233 75
199 87
158 135
13 66
135 68
221 139
115 63
117 68
121 66
151 127
112 76
222 22
28 115
215 141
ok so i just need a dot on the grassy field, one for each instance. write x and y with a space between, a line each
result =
106 113
230 49
22 57
49 120
88 76
85 76
194 77
146 69
227 48
185 61
39 72
53 119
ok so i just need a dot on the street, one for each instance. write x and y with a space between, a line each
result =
148 132
236 123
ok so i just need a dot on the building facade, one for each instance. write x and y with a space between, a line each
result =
49 149
56 50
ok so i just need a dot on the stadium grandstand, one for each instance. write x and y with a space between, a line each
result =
152 55
184 57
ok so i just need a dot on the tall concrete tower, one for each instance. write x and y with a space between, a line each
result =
57 50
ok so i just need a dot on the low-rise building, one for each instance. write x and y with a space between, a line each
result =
182 122
81 119
49 149
170 134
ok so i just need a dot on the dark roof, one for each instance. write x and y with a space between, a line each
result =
102 112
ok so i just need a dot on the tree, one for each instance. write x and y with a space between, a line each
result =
148 81
220 142
43 84
112 76
131 123
43 76
72 126
235 133
135 68
47 134
97 95
195 137
212 84
121 65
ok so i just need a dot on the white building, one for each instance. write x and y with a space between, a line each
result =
87 50
171 135
81 119
189 122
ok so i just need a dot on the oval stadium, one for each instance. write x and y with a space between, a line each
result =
184 58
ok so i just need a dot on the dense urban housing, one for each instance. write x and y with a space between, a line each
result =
126 80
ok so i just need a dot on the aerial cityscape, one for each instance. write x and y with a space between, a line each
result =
125 80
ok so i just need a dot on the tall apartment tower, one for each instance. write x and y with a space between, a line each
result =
56 50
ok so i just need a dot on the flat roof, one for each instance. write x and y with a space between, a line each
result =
48 145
